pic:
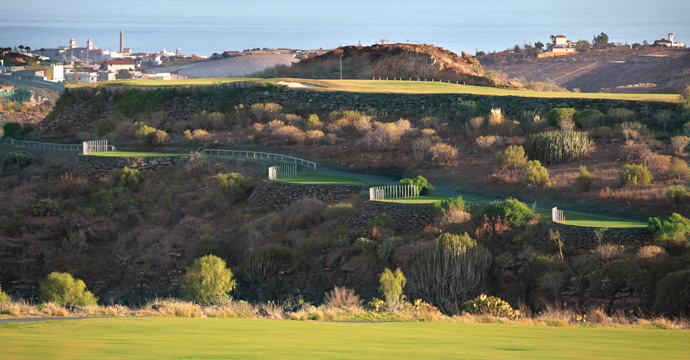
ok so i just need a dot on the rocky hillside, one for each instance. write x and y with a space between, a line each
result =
618 71
394 61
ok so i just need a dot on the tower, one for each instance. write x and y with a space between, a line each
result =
72 43
670 38
89 44
122 42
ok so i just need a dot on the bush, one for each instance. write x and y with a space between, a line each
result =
490 305
207 281
387 246
422 184
485 142
447 205
45 207
585 180
617 274
678 194
391 287
443 154
674 228
103 126
63 289
4 298
620 114
150 135
679 169
313 122
306 251
234 186
516 213
382 222
535 173
512 159
337 211
587 118
342 298
263 262
679 143
315 136
21 159
304 213
634 174
553 147
658 163
673 294
11 129
127 178
102 202
366 245
557 115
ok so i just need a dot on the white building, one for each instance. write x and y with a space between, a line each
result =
561 44
82 77
117 65
669 43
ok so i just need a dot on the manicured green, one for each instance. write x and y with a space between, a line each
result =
319 178
590 220
164 338
133 154
140 82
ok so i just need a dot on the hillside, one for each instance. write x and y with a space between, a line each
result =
616 71
229 67
392 61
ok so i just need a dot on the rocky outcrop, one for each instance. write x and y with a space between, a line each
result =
276 195
583 238
407 217
96 167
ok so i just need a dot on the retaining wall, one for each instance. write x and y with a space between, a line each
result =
277 196
96 167
407 217
583 238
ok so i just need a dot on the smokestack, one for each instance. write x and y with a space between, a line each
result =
122 42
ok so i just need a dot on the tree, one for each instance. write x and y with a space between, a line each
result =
582 45
636 46
391 286
4 298
28 49
207 281
42 50
539 45
123 74
63 289
600 41
21 48
11 128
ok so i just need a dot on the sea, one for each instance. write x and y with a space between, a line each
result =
204 27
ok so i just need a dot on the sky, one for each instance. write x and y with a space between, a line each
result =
207 26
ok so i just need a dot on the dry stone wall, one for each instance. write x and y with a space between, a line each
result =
407 217
277 196
96 167
583 238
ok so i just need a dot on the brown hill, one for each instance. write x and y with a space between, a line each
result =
621 70
393 61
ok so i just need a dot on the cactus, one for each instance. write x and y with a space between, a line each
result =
553 147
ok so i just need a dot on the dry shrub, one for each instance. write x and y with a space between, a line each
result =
384 134
514 140
303 214
679 143
232 309
566 125
420 147
443 154
597 316
274 125
679 169
315 136
637 152
362 124
171 307
341 297
53 309
331 138
476 123
404 126
198 135
630 134
453 220
428 133
658 163
258 127
292 118
485 142
338 126
609 251
628 193
496 117
290 132
430 121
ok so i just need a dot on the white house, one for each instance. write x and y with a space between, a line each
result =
669 43
117 65
561 44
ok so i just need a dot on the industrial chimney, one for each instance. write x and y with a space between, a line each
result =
122 42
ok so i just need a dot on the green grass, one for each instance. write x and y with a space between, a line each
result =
164 338
589 220
319 178
133 154
146 82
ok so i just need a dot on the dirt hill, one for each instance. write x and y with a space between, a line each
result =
621 70
230 67
394 61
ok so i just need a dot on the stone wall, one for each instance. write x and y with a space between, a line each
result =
407 217
96 167
277 196
583 238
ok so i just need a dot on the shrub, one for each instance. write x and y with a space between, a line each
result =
313 122
587 118
516 213
387 246
382 222
679 168
447 205
634 174
304 213
63 289
421 182
617 274
658 163
263 262
45 207
366 245
127 178
485 142
554 116
306 251
207 281
4 298
198 135
362 124
553 147
678 194
103 126
609 251
343 298
102 202
620 114
315 136
331 138
337 211
496 117
476 123
535 173
490 305
512 159
585 180
674 228
234 186
391 287
452 270
443 154
673 294
633 151
150 135
11 129
679 143
21 159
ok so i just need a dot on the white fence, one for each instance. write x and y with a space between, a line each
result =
245 154
557 215
45 146
96 146
283 171
380 193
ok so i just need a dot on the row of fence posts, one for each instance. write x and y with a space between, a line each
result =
96 146
557 215
380 193
282 171
418 79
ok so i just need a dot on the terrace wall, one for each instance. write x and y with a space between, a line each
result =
277 196
96 167
583 238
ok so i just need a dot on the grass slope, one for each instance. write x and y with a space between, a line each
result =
162 338
133 154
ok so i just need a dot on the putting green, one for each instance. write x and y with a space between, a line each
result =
133 154
319 178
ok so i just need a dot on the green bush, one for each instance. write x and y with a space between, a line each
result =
21 159
337 211
674 228
45 207
678 194
63 289
453 203
554 116
553 147
620 114
102 202
4 298
619 273
382 222
104 126
207 281
264 261
234 186
673 294
516 213
391 287
366 245
535 173
587 118
127 178
634 174
490 305
306 251
11 129
303 214
422 184
585 180
387 246
512 159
